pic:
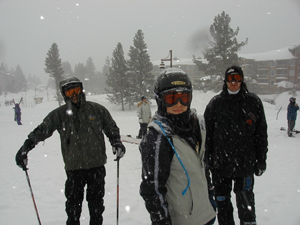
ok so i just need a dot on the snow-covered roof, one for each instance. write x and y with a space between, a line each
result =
279 54
272 55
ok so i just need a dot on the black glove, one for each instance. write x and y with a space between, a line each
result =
260 168
212 198
21 156
119 149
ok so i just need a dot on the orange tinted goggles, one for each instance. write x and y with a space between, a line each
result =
70 92
234 78
172 97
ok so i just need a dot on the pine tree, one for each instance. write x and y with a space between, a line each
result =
90 81
222 51
140 67
79 71
103 76
68 72
19 81
117 78
54 68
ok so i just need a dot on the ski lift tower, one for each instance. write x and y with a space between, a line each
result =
162 64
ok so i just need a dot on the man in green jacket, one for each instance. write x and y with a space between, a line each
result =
81 125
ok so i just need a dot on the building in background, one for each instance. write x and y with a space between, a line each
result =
6 80
268 72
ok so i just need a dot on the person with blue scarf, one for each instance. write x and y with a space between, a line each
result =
175 186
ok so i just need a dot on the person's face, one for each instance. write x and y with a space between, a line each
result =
144 100
177 109
73 94
233 86
234 82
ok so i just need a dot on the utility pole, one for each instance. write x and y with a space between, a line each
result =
162 65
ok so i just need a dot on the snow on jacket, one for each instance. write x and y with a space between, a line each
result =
236 133
164 179
81 133
292 111
144 112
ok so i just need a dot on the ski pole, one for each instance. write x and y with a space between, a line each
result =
118 164
37 214
278 112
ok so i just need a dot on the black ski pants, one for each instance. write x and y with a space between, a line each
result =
143 130
74 190
291 125
243 189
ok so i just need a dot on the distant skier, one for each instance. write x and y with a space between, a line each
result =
292 115
17 113
144 115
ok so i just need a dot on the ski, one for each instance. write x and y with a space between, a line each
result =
129 139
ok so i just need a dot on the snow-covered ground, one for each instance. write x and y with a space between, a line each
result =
277 191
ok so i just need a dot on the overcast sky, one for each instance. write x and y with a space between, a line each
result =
92 28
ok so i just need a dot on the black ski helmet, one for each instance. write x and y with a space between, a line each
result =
69 83
292 100
169 79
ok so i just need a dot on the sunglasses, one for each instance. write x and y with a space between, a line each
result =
234 78
70 92
171 98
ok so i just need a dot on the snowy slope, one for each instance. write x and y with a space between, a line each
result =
277 191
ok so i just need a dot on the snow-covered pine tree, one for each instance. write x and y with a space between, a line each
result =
221 53
117 78
140 68
54 69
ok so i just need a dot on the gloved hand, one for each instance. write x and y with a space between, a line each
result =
211 195
140 121
260 168
119 149
21 156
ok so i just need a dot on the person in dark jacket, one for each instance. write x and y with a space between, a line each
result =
236 146
81 125
174 183
17 113
292 115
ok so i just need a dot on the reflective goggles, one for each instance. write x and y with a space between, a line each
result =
75 90
234 78
171 98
